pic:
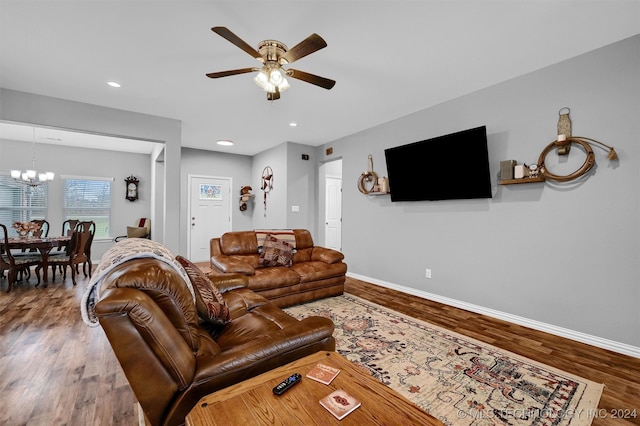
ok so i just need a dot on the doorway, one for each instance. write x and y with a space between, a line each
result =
333 204
210 207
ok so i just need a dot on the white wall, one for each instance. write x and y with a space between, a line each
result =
566 255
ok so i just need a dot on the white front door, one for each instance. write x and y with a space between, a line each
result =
210 206
333 213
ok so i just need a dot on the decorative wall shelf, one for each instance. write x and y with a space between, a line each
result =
378 193
522 180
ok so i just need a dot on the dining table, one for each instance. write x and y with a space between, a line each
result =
44 247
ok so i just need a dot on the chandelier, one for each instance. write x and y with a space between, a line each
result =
31 176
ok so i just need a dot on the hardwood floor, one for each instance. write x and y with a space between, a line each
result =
56 371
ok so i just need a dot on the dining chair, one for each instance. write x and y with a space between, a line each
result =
43 232
78 251
68 226
15 264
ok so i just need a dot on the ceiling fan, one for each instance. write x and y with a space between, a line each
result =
273 54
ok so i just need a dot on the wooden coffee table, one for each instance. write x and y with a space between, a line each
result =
252 402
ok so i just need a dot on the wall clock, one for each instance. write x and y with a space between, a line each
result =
132 188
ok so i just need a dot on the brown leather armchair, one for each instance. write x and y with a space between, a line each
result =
171 360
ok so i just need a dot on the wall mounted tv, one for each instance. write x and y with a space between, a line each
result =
449 167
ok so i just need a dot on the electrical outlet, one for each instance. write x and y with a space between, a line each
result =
428 273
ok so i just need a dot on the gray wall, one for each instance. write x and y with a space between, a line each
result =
72 161
275 215
46 111
208 163
567 255
301 187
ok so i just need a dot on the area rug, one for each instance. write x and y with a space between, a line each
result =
457 379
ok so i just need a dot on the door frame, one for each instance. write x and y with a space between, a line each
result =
190 178
321 220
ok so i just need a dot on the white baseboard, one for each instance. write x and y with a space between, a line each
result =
611 345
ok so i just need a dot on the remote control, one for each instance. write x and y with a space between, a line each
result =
287 384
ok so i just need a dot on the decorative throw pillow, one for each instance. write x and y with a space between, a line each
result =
276 252
209 301
135 232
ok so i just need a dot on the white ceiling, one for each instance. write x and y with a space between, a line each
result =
389 58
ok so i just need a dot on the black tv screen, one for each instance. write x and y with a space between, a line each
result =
449 167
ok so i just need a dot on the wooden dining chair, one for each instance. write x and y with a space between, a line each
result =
15 264
68 226
43 232
77 252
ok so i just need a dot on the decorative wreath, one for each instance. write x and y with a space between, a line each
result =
368 179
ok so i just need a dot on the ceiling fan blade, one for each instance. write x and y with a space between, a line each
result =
306 47
224 32
231 72
311 78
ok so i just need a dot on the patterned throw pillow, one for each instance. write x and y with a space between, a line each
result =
276 252
209 301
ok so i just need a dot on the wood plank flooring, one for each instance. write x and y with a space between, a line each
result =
56 371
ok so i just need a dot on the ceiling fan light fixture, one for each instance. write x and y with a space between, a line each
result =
275 77
273 54
262 78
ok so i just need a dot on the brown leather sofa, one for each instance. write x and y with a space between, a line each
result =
316 272
171 359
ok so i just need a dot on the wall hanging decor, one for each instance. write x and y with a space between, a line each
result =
132 188
369 183
368 178
563 146
266 185
511 173
245 196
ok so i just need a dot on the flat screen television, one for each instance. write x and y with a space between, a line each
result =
449 167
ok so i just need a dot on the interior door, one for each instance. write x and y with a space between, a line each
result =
333 213
209 213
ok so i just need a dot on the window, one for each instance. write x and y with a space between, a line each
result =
88 198
20 202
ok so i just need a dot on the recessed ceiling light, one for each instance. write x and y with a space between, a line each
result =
225 143
113 84
293 124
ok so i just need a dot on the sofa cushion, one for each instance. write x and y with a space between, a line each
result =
326 255
135 232
164 285
231 265
271 277
316 270
209 302
241 242
276 252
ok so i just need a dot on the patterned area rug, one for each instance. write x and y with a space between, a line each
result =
457 379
